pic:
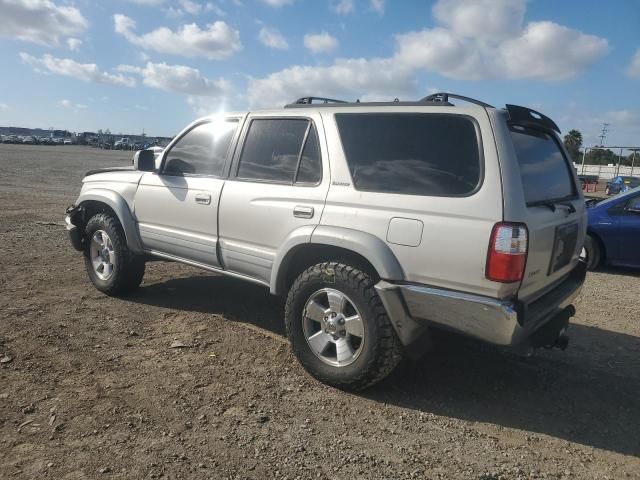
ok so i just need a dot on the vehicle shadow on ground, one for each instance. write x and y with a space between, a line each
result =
589 394
625 271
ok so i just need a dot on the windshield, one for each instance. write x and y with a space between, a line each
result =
544 169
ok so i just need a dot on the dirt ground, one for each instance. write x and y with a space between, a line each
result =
90 388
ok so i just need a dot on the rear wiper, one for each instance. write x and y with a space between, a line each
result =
569 206
554 205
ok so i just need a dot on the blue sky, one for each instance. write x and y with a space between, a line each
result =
158 64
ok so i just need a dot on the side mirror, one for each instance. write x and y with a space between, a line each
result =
144 161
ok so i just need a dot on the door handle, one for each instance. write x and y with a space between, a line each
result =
203 198
303 212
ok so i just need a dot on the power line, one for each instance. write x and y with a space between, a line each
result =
603 135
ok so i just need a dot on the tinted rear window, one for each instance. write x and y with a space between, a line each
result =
411 153
544 169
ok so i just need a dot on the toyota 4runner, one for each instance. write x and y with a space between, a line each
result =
377 222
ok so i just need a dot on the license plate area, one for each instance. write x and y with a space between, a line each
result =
564 246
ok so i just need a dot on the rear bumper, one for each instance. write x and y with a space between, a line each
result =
413 308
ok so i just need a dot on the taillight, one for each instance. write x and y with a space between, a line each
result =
507 254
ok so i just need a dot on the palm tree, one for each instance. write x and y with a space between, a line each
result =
573 142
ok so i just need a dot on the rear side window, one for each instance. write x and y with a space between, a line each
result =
411 153
543 167
202 151
281 151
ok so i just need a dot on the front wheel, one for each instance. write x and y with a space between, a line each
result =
591 253
112 267
338 327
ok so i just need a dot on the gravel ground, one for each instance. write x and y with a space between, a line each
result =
90 388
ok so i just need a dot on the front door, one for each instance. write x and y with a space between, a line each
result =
177 207
277 188
628 226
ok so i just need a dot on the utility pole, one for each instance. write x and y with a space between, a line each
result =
603 134
633 160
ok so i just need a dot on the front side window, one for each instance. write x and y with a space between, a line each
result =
411 153
202 151
281 151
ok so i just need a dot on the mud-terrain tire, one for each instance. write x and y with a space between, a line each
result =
309 314
593 252
112 267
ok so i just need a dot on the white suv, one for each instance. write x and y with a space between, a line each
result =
377 221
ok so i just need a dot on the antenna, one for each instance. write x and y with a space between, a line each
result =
603 134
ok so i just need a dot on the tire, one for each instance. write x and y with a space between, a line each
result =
374 354
126 269
592 252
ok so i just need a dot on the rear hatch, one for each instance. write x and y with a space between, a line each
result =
555 210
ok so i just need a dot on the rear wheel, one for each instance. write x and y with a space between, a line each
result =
591 252
112 267
338 327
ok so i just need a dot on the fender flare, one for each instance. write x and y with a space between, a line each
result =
375 250
121 209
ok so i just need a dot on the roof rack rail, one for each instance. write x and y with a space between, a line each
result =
444 98
310 100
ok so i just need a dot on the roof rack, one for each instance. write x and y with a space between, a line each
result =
310 100
444 98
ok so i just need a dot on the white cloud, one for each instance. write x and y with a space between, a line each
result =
69 104
40 21
320 42
178 78
489 19
278 3
478 42
459 48
272 38
343 7
190 7
218 41
367 79
377 6
88 72
148 3
74 43
634 67
4 107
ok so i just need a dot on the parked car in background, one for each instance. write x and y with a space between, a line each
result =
613 231
29 140
68 141
11 139
123 144
58 141
621 184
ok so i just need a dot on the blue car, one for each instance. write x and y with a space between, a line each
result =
613 231
621 184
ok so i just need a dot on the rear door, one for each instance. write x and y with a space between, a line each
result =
277 186
554 209
177 207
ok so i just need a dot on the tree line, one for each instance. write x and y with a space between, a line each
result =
604 156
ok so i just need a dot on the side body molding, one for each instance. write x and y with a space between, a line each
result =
121 209
375 250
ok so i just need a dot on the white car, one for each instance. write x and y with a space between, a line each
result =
377 221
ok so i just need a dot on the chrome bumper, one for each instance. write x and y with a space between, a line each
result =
413 308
